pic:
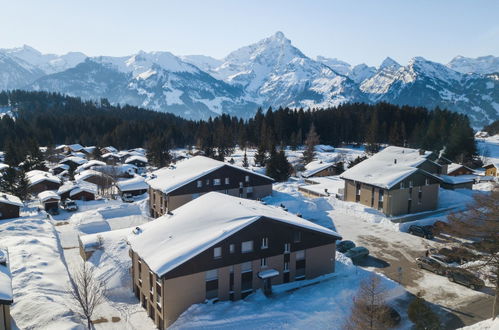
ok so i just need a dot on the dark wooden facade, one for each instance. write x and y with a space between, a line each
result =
43 186
8 211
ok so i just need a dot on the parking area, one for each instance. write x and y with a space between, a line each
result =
393 253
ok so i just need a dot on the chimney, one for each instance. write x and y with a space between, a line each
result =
395 161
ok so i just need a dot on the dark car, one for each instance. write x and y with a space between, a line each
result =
421 231
357 252
432 264
464 277
70 206
344 246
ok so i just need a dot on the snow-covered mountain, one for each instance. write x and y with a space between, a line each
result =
270 72
431 84
481 65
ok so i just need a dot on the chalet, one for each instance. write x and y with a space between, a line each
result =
67 149
108 149
73 162
9 206
58 169
95 177
65 189
91 164
395 181
319 169
323 187
176 185
3 168
6 295
139 161
492 169
134 186
454 169
83 193
221 247
457 182
111 158
49 199
41 181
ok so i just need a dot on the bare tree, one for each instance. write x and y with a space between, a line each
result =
369 309
480 224
86 291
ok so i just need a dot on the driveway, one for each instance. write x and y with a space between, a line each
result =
393 253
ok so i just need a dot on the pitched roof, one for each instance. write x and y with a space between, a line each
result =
388 167
37 176
170 178
449 179
75 147
453 167
10 199
74 159
47 195
315 167
496 165
135 183
136 157
89 164
171 240
87 174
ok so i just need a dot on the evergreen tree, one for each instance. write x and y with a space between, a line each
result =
245 160
8 181
278 166
422 316
22 186
96 154
310 143
372 138
158 153
260 156
357 160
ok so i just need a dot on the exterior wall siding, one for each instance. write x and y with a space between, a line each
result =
5 317
42 186
8 211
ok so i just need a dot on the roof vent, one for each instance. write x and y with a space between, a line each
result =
395 161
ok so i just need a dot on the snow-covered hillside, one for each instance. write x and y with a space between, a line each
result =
270 72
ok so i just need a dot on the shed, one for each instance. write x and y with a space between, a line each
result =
9 206
134 186
49 199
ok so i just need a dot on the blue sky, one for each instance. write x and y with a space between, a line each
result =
354 31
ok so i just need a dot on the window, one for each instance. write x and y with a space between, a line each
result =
297 236
246 178
151 282
380 199
265 242
227 181
300 265
211 275
217 252
420 196
194 196
247 246
287 247
200 183
140 270
402 185
286 266
232 248
263 262
300 255
249 190
240 184
410 183
426 181
217 182
357 192
207 182
246 267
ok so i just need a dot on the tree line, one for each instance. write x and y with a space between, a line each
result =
52 118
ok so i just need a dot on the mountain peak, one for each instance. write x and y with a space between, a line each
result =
389 62
279 35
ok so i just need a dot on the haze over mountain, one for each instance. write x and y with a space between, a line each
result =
271 72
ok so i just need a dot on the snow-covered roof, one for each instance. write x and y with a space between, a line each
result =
89 164
86 174
171 240
5 277
37 176
268 273
89 149
48 195
135 183
134 158
315 167
75 147
110 149
63 166
332 184
170 178
3 166
458 179
74 159
110 154
453 166
87 188
387 167
10 199
67 186
494 164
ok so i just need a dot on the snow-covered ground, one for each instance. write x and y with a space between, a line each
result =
489 149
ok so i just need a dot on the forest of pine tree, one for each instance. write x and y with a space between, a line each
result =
51 118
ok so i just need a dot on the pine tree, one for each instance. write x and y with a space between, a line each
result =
372 138
278 166
260 156
422 316
310 143
245 160
22 186
8 181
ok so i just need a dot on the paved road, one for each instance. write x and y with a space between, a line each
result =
393 254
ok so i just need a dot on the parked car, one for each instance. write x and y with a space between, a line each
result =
464 277
127 198
421 231
70 206
456 254
432 264
344 246
357 252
